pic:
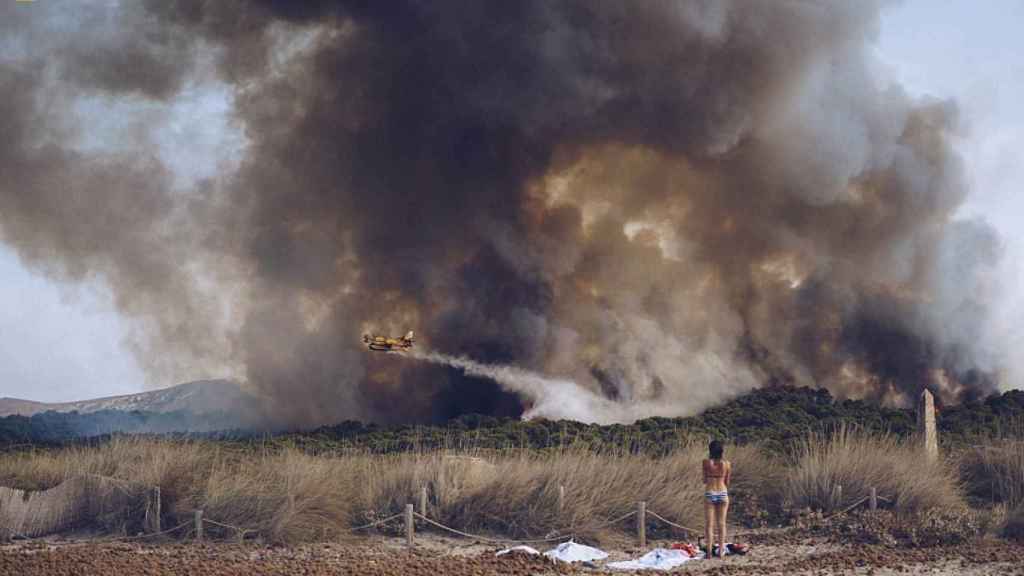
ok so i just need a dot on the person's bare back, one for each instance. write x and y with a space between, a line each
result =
716 475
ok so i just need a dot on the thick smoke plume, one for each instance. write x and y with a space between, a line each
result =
660 204
551 398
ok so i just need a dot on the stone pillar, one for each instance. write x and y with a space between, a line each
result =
929 436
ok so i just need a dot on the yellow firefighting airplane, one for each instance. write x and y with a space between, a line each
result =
388 344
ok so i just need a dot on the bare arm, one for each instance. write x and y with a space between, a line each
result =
704 470
728 474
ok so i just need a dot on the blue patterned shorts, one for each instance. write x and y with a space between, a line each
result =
717 496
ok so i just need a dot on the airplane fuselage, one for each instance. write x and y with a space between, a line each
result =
386 344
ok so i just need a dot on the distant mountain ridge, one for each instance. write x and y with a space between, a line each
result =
198 397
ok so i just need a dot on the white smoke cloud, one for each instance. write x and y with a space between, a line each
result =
549 397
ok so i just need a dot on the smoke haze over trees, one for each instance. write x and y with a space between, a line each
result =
660 205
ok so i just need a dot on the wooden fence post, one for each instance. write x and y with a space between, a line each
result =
154 523
926 425
423 501
873 499
409 530
641 523
199 525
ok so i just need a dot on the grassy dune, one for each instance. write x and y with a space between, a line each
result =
286 495
993 474
831 471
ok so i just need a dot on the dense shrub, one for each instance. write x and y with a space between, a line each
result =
1014 527
994 472
856 461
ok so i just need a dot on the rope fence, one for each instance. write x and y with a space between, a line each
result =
641 513
161 533
495 540
847 509
241 532
489 539
138 536
410 515
671 523
609 522
377 523
560 537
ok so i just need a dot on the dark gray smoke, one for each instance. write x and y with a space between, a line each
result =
660 204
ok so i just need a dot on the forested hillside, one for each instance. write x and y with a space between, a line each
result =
771 416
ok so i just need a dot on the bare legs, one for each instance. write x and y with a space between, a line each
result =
720 512
709 525
714 519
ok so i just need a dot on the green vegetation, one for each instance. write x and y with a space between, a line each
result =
56 428
775 418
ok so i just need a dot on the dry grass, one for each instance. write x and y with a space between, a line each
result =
856 461
289 496
994 473
1013 528
285 495
148 462
517 494
522 497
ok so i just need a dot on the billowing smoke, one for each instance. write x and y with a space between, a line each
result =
551 398
658 205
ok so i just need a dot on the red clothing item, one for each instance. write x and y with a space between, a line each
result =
690 549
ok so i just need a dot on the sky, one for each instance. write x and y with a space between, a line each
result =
66 342
973 53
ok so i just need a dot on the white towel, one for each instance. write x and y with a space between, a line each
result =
527 549
657 559
573 552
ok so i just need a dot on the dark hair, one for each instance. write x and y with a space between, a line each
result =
715 450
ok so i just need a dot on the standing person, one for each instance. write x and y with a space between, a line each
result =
717 473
